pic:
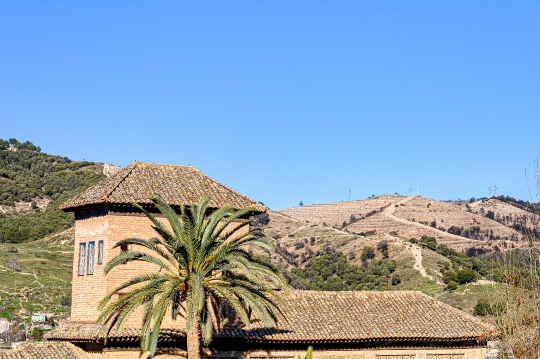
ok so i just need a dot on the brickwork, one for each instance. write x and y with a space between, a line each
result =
87 290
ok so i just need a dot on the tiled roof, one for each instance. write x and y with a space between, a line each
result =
339 317
44 350
89 332
367 315
178 185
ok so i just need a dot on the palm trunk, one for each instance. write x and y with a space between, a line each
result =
194 340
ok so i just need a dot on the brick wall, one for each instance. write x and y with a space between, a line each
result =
87 290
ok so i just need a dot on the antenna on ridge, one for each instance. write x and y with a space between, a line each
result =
417 189
349 194
410 191
495 190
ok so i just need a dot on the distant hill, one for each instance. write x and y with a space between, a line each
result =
33 184
489 224
318 257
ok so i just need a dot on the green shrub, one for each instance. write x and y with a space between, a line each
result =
333 271
451 285
429 242
449 276
37 334
482 308
466 275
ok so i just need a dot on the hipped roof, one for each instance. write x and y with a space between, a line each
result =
177 185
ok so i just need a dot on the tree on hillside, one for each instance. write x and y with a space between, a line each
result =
383 247
429 242
368 253
201 264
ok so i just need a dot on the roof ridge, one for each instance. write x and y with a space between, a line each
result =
361 291
160 164
122 179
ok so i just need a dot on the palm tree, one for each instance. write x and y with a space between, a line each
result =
202 263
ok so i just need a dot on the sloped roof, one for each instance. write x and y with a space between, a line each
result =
178 185
348 316
44 350
337 317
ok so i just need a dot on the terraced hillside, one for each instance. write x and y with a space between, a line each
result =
339 214
487 224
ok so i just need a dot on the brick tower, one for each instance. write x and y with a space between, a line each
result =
104 215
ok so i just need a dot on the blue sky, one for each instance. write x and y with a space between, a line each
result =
283 100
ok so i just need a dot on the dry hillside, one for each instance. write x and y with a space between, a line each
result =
334 214
298 244
489 224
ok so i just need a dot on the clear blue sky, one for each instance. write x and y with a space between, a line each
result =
283 100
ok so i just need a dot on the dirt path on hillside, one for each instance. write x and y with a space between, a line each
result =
21 293
389 212
417 253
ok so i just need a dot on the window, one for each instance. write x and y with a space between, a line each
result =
82 255
100 253
90 265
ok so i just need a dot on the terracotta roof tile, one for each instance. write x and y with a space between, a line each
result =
44 350
178 185
314 316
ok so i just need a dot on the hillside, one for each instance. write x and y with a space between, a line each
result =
36 277
460 225
458 244
317 257
36 239
33 184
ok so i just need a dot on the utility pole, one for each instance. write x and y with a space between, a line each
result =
417 189
349 194
410 191
495 190
489 191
